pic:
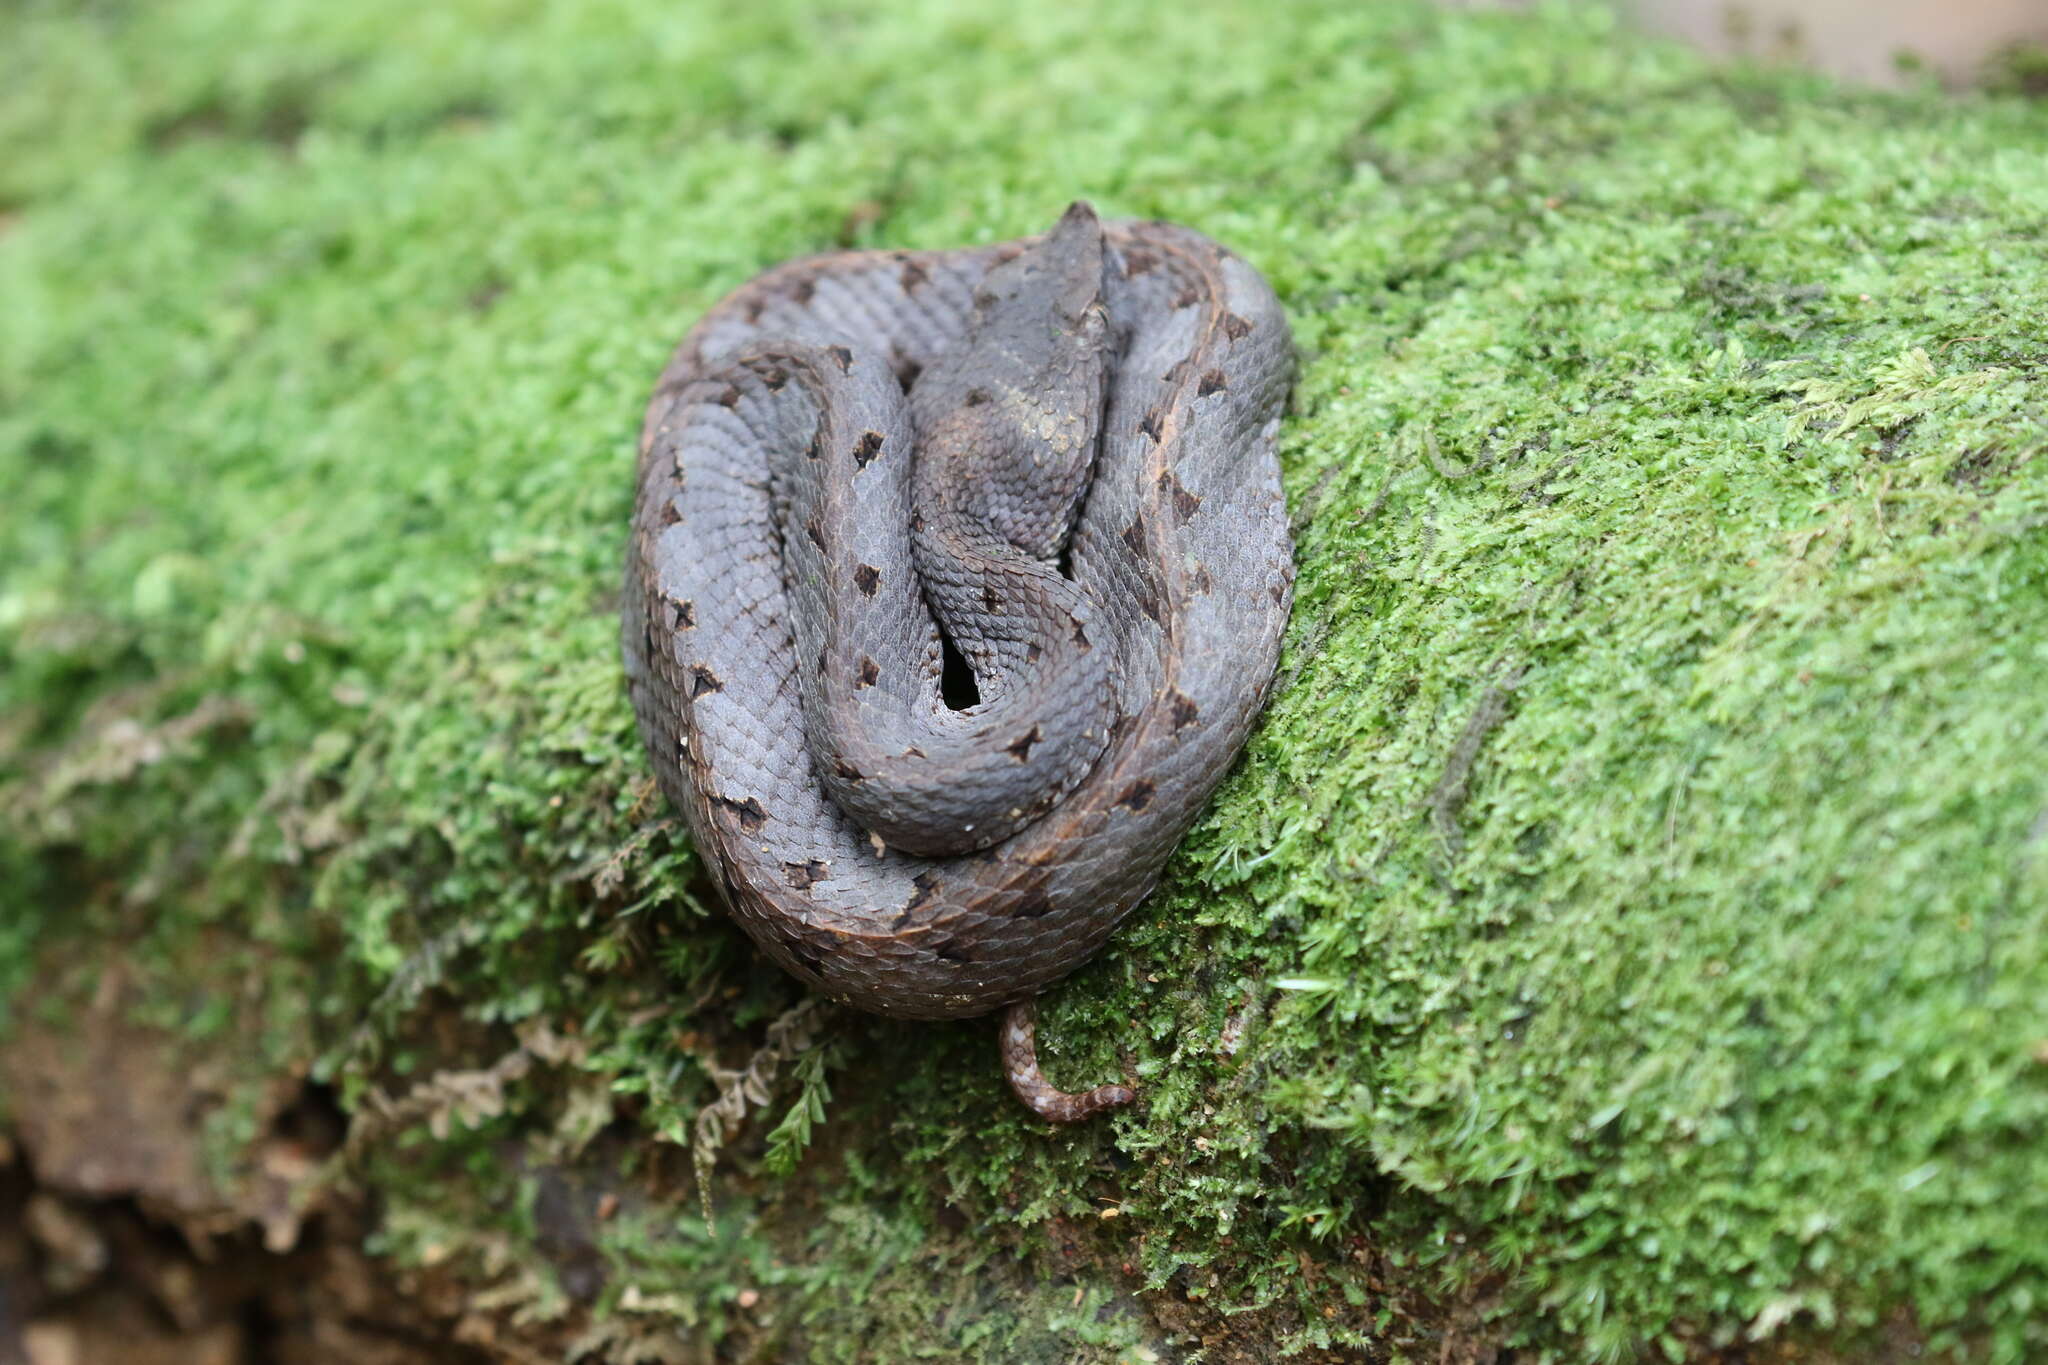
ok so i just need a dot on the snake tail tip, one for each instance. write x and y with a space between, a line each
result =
1040 1096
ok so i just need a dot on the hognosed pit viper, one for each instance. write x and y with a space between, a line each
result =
956 580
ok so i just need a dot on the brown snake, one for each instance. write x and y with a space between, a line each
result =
956 580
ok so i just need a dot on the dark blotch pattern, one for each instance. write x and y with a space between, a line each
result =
750 813
1020 747
806 874
1146 594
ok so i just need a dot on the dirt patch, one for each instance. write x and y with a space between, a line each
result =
122 1242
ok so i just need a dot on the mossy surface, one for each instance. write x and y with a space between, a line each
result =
1628 931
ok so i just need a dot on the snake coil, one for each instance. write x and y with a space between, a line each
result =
956 580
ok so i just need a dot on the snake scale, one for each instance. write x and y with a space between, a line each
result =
956 580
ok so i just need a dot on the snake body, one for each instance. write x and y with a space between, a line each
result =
868 477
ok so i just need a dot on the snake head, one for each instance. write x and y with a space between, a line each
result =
1052 291
1009 421
1072 256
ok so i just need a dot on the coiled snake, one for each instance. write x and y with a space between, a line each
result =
956 580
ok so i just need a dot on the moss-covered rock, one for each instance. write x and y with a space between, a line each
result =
1627 933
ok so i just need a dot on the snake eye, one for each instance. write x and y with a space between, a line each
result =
1092 325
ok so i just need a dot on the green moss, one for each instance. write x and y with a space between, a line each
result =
1628 924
